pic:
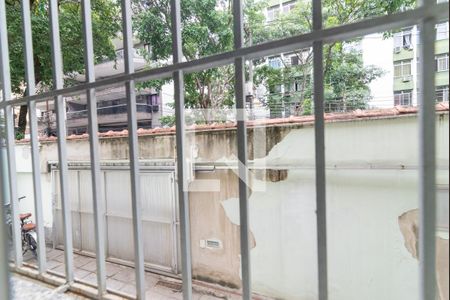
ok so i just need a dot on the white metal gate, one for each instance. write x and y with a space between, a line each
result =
159 218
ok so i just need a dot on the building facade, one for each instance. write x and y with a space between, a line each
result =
111 102
399 58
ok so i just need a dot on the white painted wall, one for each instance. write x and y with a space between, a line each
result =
367 191
367 257
167 99
25 186
378 51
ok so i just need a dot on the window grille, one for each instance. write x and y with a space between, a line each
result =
442 93
403 98
426 15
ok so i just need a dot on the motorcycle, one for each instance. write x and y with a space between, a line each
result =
28 233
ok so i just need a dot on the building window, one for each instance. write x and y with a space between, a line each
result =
403 39
294 60
442 93
288 6
402 68
403 98
442 31
275 62
273 13
442 63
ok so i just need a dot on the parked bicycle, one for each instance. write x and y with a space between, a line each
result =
28 233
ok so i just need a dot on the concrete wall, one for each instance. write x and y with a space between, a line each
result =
372 180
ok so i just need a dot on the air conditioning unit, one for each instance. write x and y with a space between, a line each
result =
407 78
397 49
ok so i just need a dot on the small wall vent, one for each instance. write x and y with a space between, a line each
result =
211 244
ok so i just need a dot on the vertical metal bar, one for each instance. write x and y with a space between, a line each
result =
11 155
10 138
99 219
4 249
319 130
4 270
183 195
58 83
239 69
427 158
134 149
31 90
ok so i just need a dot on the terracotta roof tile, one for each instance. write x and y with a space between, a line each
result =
330 117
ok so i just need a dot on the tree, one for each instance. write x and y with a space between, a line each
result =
346 78
207 28
106 24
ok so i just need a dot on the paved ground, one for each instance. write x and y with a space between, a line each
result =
24 288
122 278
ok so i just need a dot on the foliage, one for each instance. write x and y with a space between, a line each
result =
207 29
307 107
347 81
20 135
168 121
346 77
106 24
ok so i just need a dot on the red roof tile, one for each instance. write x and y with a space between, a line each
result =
329 117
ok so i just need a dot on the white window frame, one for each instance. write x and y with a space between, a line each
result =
442 31
275 62
288 6
402 65
273 13
405 98
400 39
442 62
442 93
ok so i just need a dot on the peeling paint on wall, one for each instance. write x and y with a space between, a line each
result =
409 226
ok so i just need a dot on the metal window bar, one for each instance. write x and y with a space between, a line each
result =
58 83
183 195
4 249
134 148
319 131
239 71
5 292
31 90
427 157
98 207
10 139
427 15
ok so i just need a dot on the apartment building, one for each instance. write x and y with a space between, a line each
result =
406 63
287 98
399 58
111 102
